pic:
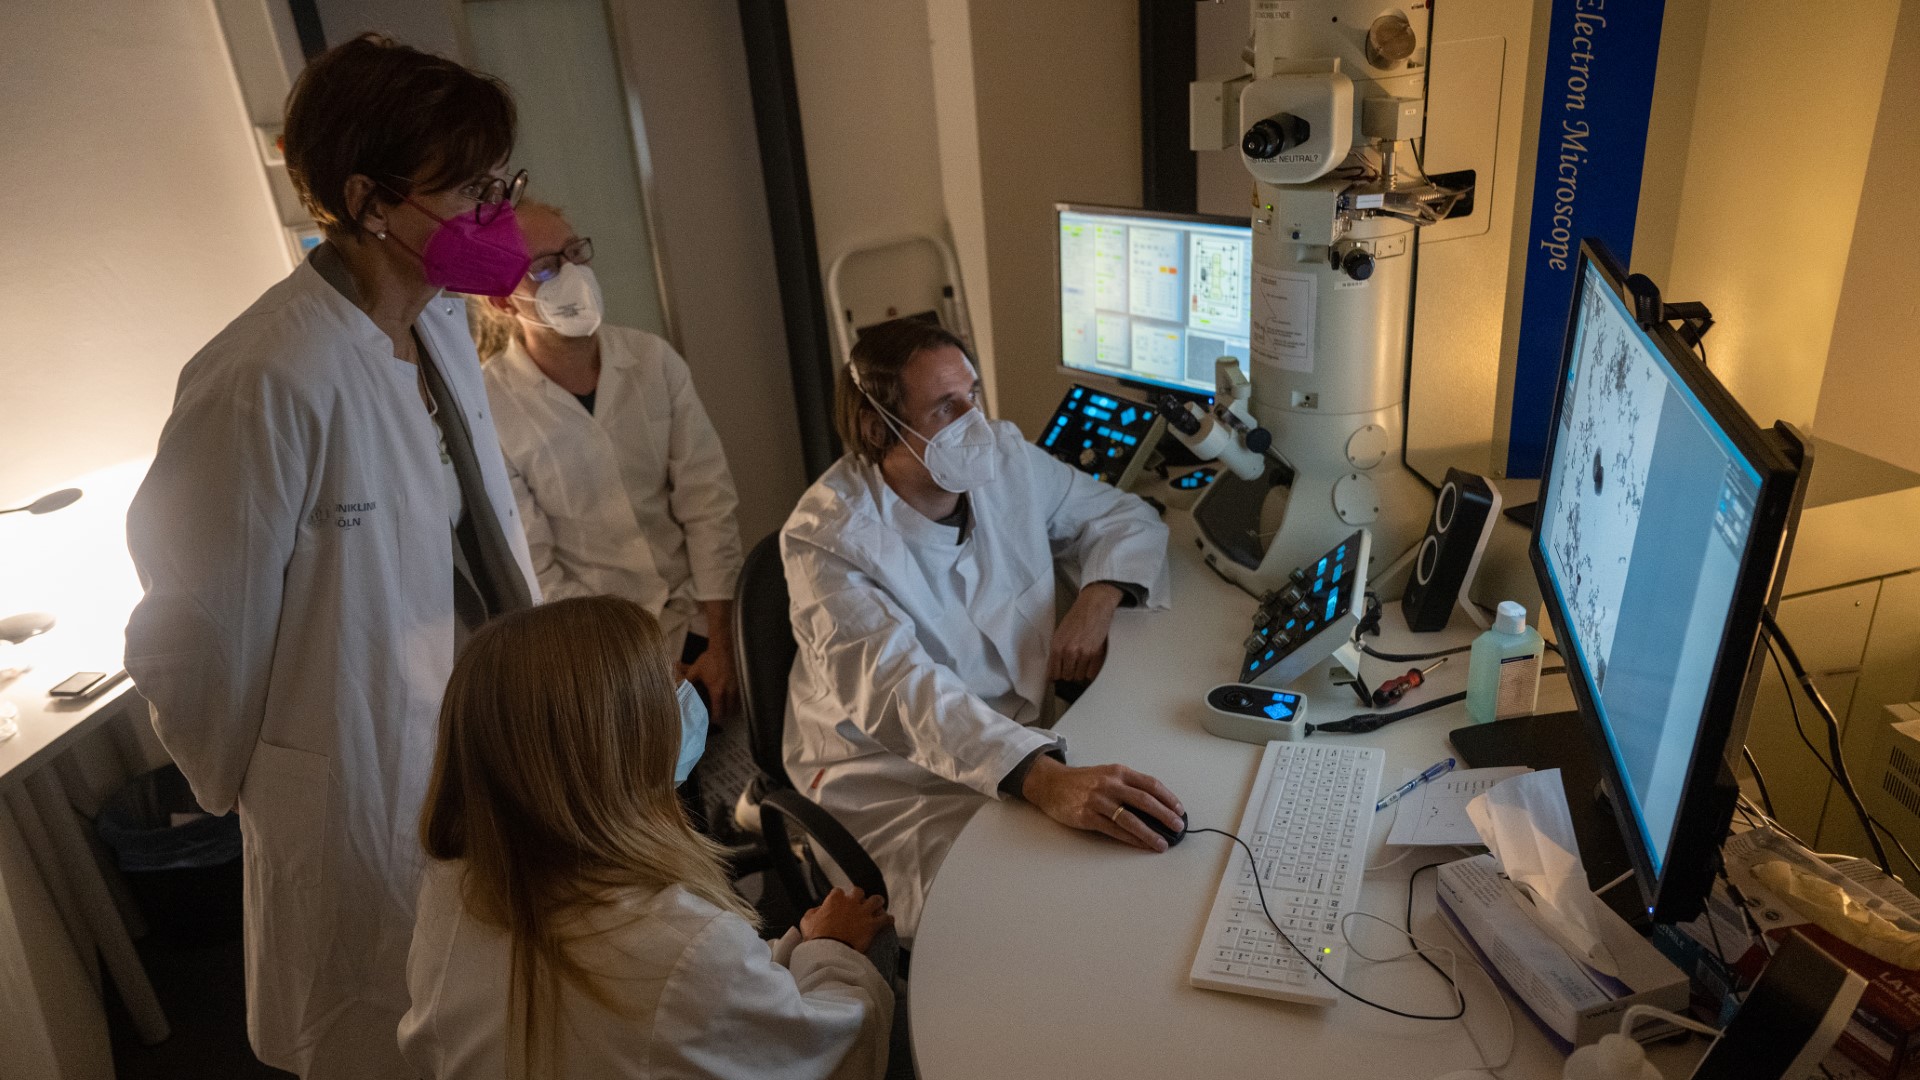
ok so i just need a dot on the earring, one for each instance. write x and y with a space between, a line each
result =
381 235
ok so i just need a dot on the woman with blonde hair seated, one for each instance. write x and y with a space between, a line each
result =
573 923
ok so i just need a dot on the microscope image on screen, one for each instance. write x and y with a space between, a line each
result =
1615 394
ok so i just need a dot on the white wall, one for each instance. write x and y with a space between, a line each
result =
137 222
1783 121
1869 398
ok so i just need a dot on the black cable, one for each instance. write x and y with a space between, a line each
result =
1759 781
1839 764
1411 878
1261 891
1871 822
1410 658
1360 723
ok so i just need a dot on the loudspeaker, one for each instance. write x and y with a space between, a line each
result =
1457 534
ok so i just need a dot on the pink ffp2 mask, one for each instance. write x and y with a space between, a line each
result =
466 256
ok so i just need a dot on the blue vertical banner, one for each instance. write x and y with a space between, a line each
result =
1586 183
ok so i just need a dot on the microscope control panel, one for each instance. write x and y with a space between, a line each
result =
1310 616
1103 435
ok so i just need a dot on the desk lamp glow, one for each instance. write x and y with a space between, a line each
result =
15 629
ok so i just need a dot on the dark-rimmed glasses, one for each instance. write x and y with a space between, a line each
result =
579 251
489 194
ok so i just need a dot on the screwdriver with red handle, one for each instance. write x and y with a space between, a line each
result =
1396 688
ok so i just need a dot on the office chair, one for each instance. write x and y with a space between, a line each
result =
763 649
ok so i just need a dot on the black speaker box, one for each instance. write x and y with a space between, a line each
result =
1457 534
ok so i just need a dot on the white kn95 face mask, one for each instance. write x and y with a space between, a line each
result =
568 303
960 457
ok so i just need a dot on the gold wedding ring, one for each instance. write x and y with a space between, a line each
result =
1117 811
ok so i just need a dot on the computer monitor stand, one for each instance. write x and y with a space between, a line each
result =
1557 741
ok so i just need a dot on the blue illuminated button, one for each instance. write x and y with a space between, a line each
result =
1127 417
1340 552
1087 445
1333 602
1278 710
1077 391
1322 568
1269 655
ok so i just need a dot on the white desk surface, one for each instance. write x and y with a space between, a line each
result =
1046 952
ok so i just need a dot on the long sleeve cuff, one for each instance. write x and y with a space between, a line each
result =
1012 783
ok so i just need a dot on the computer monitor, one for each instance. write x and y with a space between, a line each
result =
1664 523
1152 299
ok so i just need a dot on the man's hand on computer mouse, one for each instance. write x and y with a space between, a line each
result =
1080 641
1090 798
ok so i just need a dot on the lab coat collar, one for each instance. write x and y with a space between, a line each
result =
311 283
521 363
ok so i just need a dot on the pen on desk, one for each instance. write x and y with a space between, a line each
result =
1437 769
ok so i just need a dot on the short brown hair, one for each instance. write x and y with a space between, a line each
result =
401 117
881 355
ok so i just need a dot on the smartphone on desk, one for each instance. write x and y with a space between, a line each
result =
84 684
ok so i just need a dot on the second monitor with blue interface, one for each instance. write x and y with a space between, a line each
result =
1153 299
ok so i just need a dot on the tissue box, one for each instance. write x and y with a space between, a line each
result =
1570 1001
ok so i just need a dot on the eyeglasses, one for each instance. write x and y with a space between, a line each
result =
488 193
494 192
578 252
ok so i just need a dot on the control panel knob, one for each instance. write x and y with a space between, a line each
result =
1358 264
1088 457
1254 643
1269 138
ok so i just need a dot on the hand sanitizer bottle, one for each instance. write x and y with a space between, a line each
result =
1503 674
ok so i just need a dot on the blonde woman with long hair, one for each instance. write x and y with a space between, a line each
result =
573 922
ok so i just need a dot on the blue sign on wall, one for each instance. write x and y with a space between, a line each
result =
1586 182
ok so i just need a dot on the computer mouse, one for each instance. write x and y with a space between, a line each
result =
1171 836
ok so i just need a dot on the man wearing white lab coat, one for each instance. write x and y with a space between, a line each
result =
922 572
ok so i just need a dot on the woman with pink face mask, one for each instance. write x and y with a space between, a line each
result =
326 518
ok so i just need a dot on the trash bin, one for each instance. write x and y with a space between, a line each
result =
181 863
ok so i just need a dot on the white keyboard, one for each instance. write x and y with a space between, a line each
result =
1308 821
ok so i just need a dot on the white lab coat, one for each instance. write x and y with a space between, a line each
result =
694 993
296 637
922 662
632 499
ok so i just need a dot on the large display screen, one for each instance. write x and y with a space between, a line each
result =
1647 513
1153 299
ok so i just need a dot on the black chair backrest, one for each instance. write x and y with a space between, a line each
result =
764 649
